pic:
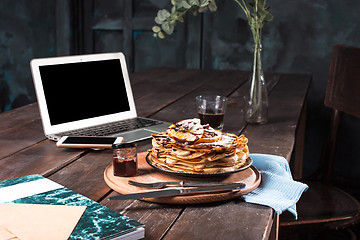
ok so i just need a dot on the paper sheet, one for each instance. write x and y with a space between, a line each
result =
37 221
5 234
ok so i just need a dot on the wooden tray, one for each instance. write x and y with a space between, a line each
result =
251 177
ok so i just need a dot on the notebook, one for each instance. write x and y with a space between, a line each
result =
96 222
89 95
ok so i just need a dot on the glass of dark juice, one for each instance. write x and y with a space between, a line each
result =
211 110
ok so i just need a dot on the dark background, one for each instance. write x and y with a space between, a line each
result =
299 40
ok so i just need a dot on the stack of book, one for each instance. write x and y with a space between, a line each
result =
96 222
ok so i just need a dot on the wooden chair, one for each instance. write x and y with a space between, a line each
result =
323 206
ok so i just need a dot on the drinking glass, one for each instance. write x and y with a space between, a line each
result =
125 159
211 110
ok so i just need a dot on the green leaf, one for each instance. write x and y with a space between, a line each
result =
158 21
174 16
156 29
203 3
167 28
163 14
181 19
269 17
261 4
194 2
161 35
212 6
256 13
183 4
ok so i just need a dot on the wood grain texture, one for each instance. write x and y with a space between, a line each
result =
154 95
85 175
17 138
19 128
157 218
43 158
186 107
19 116
148 75
166 94
285 104
147 174
222 221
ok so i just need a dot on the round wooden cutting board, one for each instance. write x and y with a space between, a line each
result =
147 174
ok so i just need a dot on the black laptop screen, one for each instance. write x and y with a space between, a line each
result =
77 91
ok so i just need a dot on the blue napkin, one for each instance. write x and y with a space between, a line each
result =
277 188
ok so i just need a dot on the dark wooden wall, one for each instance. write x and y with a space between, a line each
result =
299 40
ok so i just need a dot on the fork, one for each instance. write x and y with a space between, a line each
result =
175 184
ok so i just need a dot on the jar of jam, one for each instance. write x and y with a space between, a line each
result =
125 159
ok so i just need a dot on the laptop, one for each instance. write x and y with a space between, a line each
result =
89 95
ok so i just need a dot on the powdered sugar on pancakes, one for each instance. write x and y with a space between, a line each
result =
187 146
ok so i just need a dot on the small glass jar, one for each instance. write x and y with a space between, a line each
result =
125 159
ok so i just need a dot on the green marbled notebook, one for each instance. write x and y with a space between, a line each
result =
97 222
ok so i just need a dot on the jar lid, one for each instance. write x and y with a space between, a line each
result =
123 145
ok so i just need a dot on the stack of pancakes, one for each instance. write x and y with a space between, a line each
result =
187 146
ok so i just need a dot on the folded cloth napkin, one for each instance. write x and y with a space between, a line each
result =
277 188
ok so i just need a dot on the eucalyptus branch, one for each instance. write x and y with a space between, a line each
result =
255 12
167 20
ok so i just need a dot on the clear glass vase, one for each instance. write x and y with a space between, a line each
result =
256 100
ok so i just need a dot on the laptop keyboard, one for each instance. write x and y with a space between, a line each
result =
114 127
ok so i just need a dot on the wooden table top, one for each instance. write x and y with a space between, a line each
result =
169 95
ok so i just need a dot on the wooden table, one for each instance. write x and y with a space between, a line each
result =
169 95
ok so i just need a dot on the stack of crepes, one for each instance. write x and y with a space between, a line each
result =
189 147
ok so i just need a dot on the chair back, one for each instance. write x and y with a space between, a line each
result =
342 95
343 88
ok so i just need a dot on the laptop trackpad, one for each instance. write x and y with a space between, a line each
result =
135 135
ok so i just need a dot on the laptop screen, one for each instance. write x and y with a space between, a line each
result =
82 90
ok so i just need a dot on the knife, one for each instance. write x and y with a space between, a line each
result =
175 192
175 184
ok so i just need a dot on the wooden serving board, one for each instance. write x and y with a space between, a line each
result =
147 174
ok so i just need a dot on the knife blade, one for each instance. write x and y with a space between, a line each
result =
175 184
175 192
